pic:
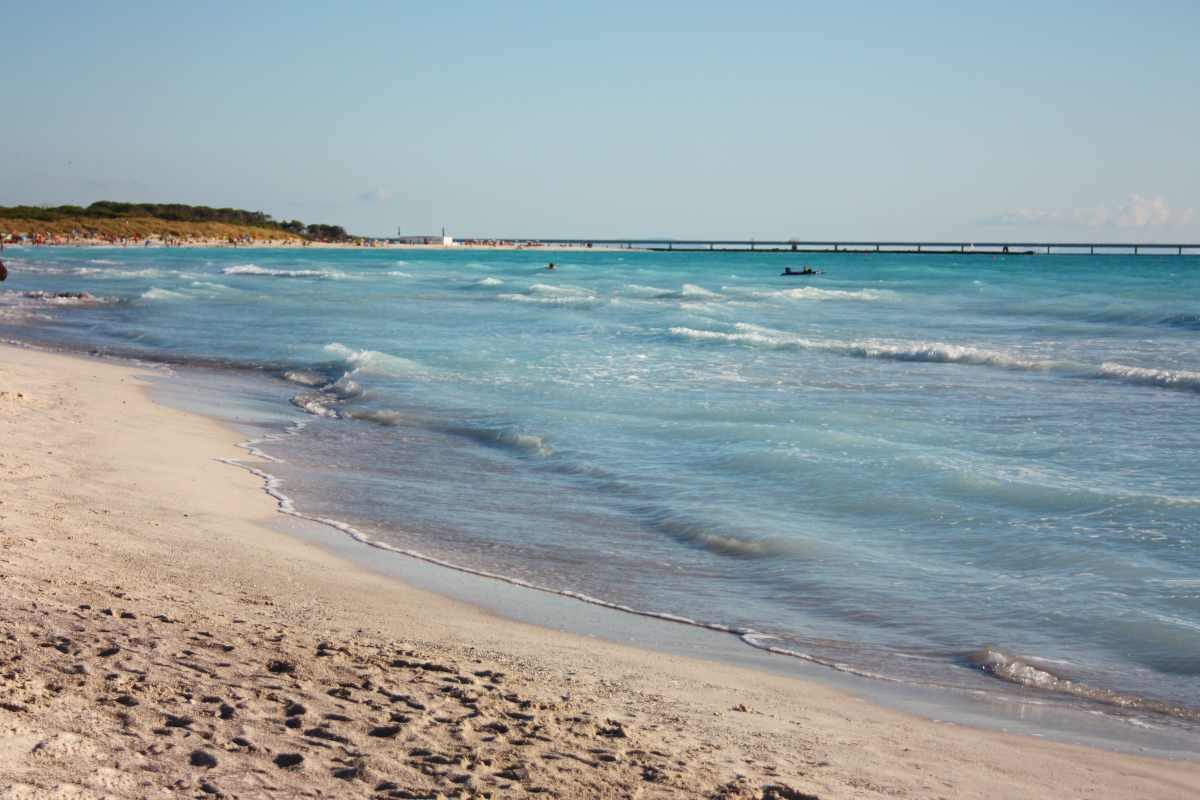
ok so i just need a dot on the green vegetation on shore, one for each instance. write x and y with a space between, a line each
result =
107 219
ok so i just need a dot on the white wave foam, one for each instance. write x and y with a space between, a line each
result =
762 641
489 281
552 299
937 352
1025 672
692 290
285 505
254 269
1166 378
647 291
944 353
306 377
315 404
398 274
373 361
117 273
813 293
155 293
551 289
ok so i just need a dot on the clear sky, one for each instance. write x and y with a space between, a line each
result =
752 119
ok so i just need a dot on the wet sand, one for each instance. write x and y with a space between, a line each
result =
159 637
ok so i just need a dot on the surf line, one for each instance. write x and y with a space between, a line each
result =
748 636
285 505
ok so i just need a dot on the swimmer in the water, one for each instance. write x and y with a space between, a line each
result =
551 265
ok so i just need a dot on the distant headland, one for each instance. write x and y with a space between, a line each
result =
108 222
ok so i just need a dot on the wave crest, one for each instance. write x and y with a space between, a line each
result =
702 535
254 269
374 362
155 293
1030 673
813 293
943 353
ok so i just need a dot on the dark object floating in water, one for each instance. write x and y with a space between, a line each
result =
789 272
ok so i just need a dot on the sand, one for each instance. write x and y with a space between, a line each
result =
159 638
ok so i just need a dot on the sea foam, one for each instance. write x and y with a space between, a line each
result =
943 353
254 269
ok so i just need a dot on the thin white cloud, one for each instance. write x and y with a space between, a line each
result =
376 197
1140 211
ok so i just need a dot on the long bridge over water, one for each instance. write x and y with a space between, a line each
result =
849 246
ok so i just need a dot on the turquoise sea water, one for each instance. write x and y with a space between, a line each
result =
973 472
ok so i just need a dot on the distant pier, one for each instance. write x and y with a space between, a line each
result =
849 246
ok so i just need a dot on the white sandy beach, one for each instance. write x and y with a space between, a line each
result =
158 638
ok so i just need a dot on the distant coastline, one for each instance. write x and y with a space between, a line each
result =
166 224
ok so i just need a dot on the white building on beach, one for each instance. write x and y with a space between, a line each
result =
434 240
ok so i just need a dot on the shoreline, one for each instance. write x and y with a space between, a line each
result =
136 466
993 710
275 244
1002 706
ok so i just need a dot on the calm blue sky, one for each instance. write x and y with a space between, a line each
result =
757 119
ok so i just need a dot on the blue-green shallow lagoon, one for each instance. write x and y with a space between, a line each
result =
971 473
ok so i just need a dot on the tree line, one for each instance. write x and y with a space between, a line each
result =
174 212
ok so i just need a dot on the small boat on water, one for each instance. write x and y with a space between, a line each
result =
789 272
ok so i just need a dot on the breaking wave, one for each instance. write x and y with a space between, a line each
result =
95 272
254 269
306 377
693 291
649 291
526 443
943 353
1036 675
813 293
155 293
1166 378
549 294
702 535
374 362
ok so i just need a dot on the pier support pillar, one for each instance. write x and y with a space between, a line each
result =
1135 251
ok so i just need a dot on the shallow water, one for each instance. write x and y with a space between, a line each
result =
973 472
